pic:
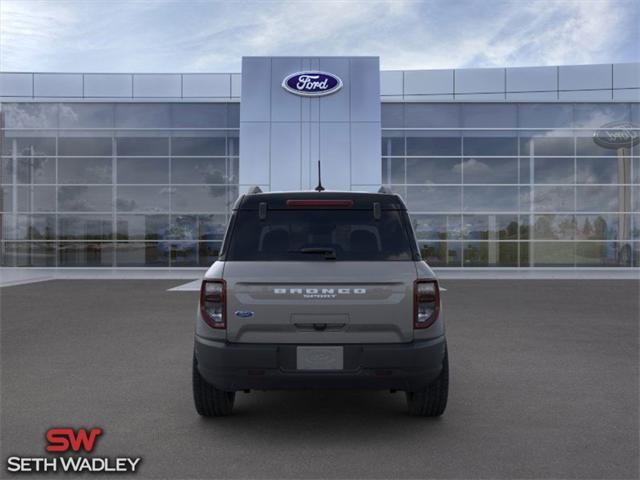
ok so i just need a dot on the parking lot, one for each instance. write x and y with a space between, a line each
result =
544 384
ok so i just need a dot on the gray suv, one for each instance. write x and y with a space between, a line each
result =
320 290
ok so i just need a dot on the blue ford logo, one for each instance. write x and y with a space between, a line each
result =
312 83
244 313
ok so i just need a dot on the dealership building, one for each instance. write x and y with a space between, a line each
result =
499 167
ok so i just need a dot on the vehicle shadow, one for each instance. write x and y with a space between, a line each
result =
318 415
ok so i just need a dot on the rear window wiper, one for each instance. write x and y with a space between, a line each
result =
329 253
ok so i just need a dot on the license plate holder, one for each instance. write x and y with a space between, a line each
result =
320 358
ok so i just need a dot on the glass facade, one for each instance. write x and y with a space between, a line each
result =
116 184
151 184
515 185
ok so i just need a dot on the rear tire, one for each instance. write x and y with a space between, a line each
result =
432 401
209 401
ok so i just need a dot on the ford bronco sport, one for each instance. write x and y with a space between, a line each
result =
320 290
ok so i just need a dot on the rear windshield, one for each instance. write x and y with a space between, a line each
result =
319 235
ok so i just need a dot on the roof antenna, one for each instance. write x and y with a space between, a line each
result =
319 188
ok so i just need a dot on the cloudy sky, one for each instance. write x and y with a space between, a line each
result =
211 36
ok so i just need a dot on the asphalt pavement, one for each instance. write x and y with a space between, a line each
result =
544 384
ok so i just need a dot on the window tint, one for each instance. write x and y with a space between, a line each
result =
352 235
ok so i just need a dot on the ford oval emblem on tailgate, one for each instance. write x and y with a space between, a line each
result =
244 313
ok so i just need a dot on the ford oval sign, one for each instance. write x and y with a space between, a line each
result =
312 83
617 135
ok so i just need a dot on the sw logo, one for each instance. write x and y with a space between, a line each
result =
68 441
65 439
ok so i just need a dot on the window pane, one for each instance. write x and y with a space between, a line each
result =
491 254
143 199
553 199
490 146
432 146
553 170
598 114
6 199
85 227
86 115
433 199
199 170
394 170
36 199
603 227
434 170
182 228
36 254
93 254
29 227
84 170
84 199
544 115
208 253
142 227
29 146
587 147
490 227
490 199
198 146
554 227
146 115
142 255
392 145
442 254
143 170
603 254
603 170
552 254
233 143
143 146
36 170
546 146
203 199
490 170
184 254
600 199
392 115
205 227
81 146
420 115
436 227
6 170
198 115
525 170
30 115
489 115
233 112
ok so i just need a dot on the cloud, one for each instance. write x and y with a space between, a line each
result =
174 36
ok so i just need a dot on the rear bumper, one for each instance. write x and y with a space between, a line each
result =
238 366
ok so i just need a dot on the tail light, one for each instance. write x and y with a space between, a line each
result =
426 303
212 303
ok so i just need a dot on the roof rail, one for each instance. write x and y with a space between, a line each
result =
385 189
254 189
